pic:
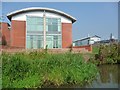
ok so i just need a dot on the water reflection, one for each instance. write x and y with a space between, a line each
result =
108 77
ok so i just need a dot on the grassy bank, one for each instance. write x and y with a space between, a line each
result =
39 69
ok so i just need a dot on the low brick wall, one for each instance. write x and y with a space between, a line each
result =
42 50
87 47
77 49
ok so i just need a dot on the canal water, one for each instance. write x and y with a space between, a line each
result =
108 77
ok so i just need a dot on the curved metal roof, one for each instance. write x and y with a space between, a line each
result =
9 15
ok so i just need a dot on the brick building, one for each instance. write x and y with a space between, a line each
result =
4 34
38 27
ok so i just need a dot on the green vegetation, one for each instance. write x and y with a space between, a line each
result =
95 49
40 69
106 54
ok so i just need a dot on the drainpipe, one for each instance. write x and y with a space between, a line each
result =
44 29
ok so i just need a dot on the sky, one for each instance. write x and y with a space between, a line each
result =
60 0
93 18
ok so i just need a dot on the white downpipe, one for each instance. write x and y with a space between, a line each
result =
44 28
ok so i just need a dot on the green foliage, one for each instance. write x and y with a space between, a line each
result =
95 49
108 54
39 69
28 82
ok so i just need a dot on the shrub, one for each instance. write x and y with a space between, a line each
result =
108 54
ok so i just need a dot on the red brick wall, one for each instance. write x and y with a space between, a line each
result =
18 33
87 47
0 34
66 35
5 33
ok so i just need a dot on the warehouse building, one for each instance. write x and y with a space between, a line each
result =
89 40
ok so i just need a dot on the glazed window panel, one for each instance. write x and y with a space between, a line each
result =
28 42
59 41
34 23
35 42
40 41
34 20
53 41
49 41
46 27
52 28
53 24
59 28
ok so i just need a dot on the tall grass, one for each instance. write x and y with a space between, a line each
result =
37 69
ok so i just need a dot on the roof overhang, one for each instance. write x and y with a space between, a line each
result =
10 15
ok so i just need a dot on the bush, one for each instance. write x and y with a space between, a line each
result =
108 54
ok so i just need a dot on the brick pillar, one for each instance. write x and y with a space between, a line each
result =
66 35
18 34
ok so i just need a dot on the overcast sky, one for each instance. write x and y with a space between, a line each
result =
93 18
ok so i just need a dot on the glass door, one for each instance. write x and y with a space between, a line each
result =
34 42
29 41
49 41
55 42
39 41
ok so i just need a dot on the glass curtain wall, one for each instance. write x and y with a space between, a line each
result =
53 32
34 36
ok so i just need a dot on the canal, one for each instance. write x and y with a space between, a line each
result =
108 77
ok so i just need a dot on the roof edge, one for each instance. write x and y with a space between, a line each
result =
9 15
86 38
